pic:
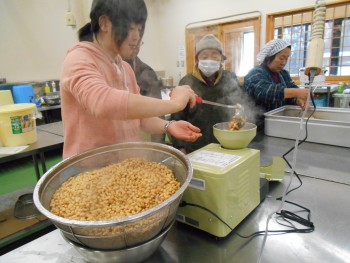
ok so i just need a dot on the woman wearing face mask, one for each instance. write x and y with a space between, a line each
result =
211 82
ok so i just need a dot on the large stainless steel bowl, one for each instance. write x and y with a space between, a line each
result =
121 232
133 254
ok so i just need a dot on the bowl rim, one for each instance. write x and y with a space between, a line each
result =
161 234
100 150
254 127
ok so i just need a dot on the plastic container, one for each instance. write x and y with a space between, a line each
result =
23 94
53 85
17 124
341 100
340 88
320 100
6 97
47 88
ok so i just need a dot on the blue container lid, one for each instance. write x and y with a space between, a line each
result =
23 94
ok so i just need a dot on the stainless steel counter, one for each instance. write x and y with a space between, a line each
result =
313 159
327 199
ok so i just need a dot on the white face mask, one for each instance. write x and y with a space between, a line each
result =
209 67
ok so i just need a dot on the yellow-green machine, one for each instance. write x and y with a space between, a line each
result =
225 186
225 182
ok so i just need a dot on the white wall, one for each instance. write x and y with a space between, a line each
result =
34 37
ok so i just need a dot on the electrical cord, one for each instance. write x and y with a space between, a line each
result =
287 216
297 143
302 221
296 218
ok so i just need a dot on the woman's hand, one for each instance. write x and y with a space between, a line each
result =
301 103
184 130
302 94
183 95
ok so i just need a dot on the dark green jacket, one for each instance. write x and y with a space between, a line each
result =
226 90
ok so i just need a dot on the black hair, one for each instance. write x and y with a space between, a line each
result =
268 60
122 13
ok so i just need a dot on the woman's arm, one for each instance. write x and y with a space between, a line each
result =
140 107
90 88
296 93
262 88
153 125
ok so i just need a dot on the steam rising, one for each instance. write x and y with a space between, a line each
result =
238 95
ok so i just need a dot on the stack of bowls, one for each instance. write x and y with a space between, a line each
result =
133 231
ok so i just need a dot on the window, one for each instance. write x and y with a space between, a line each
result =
295 27
247 54
240 42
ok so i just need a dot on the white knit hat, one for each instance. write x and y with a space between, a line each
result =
271 48
209 41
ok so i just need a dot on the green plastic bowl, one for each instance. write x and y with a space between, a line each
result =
234 139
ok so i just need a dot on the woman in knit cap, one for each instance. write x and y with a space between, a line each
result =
211 82
269 83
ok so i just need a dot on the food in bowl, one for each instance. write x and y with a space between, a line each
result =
236 123
124 232
117 190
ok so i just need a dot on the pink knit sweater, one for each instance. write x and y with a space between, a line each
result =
94 91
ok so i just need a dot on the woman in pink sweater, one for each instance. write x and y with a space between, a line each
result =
101 101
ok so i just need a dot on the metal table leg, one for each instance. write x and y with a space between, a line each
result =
328 95
36 166
43 163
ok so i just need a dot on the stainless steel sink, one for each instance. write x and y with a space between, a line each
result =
327 125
